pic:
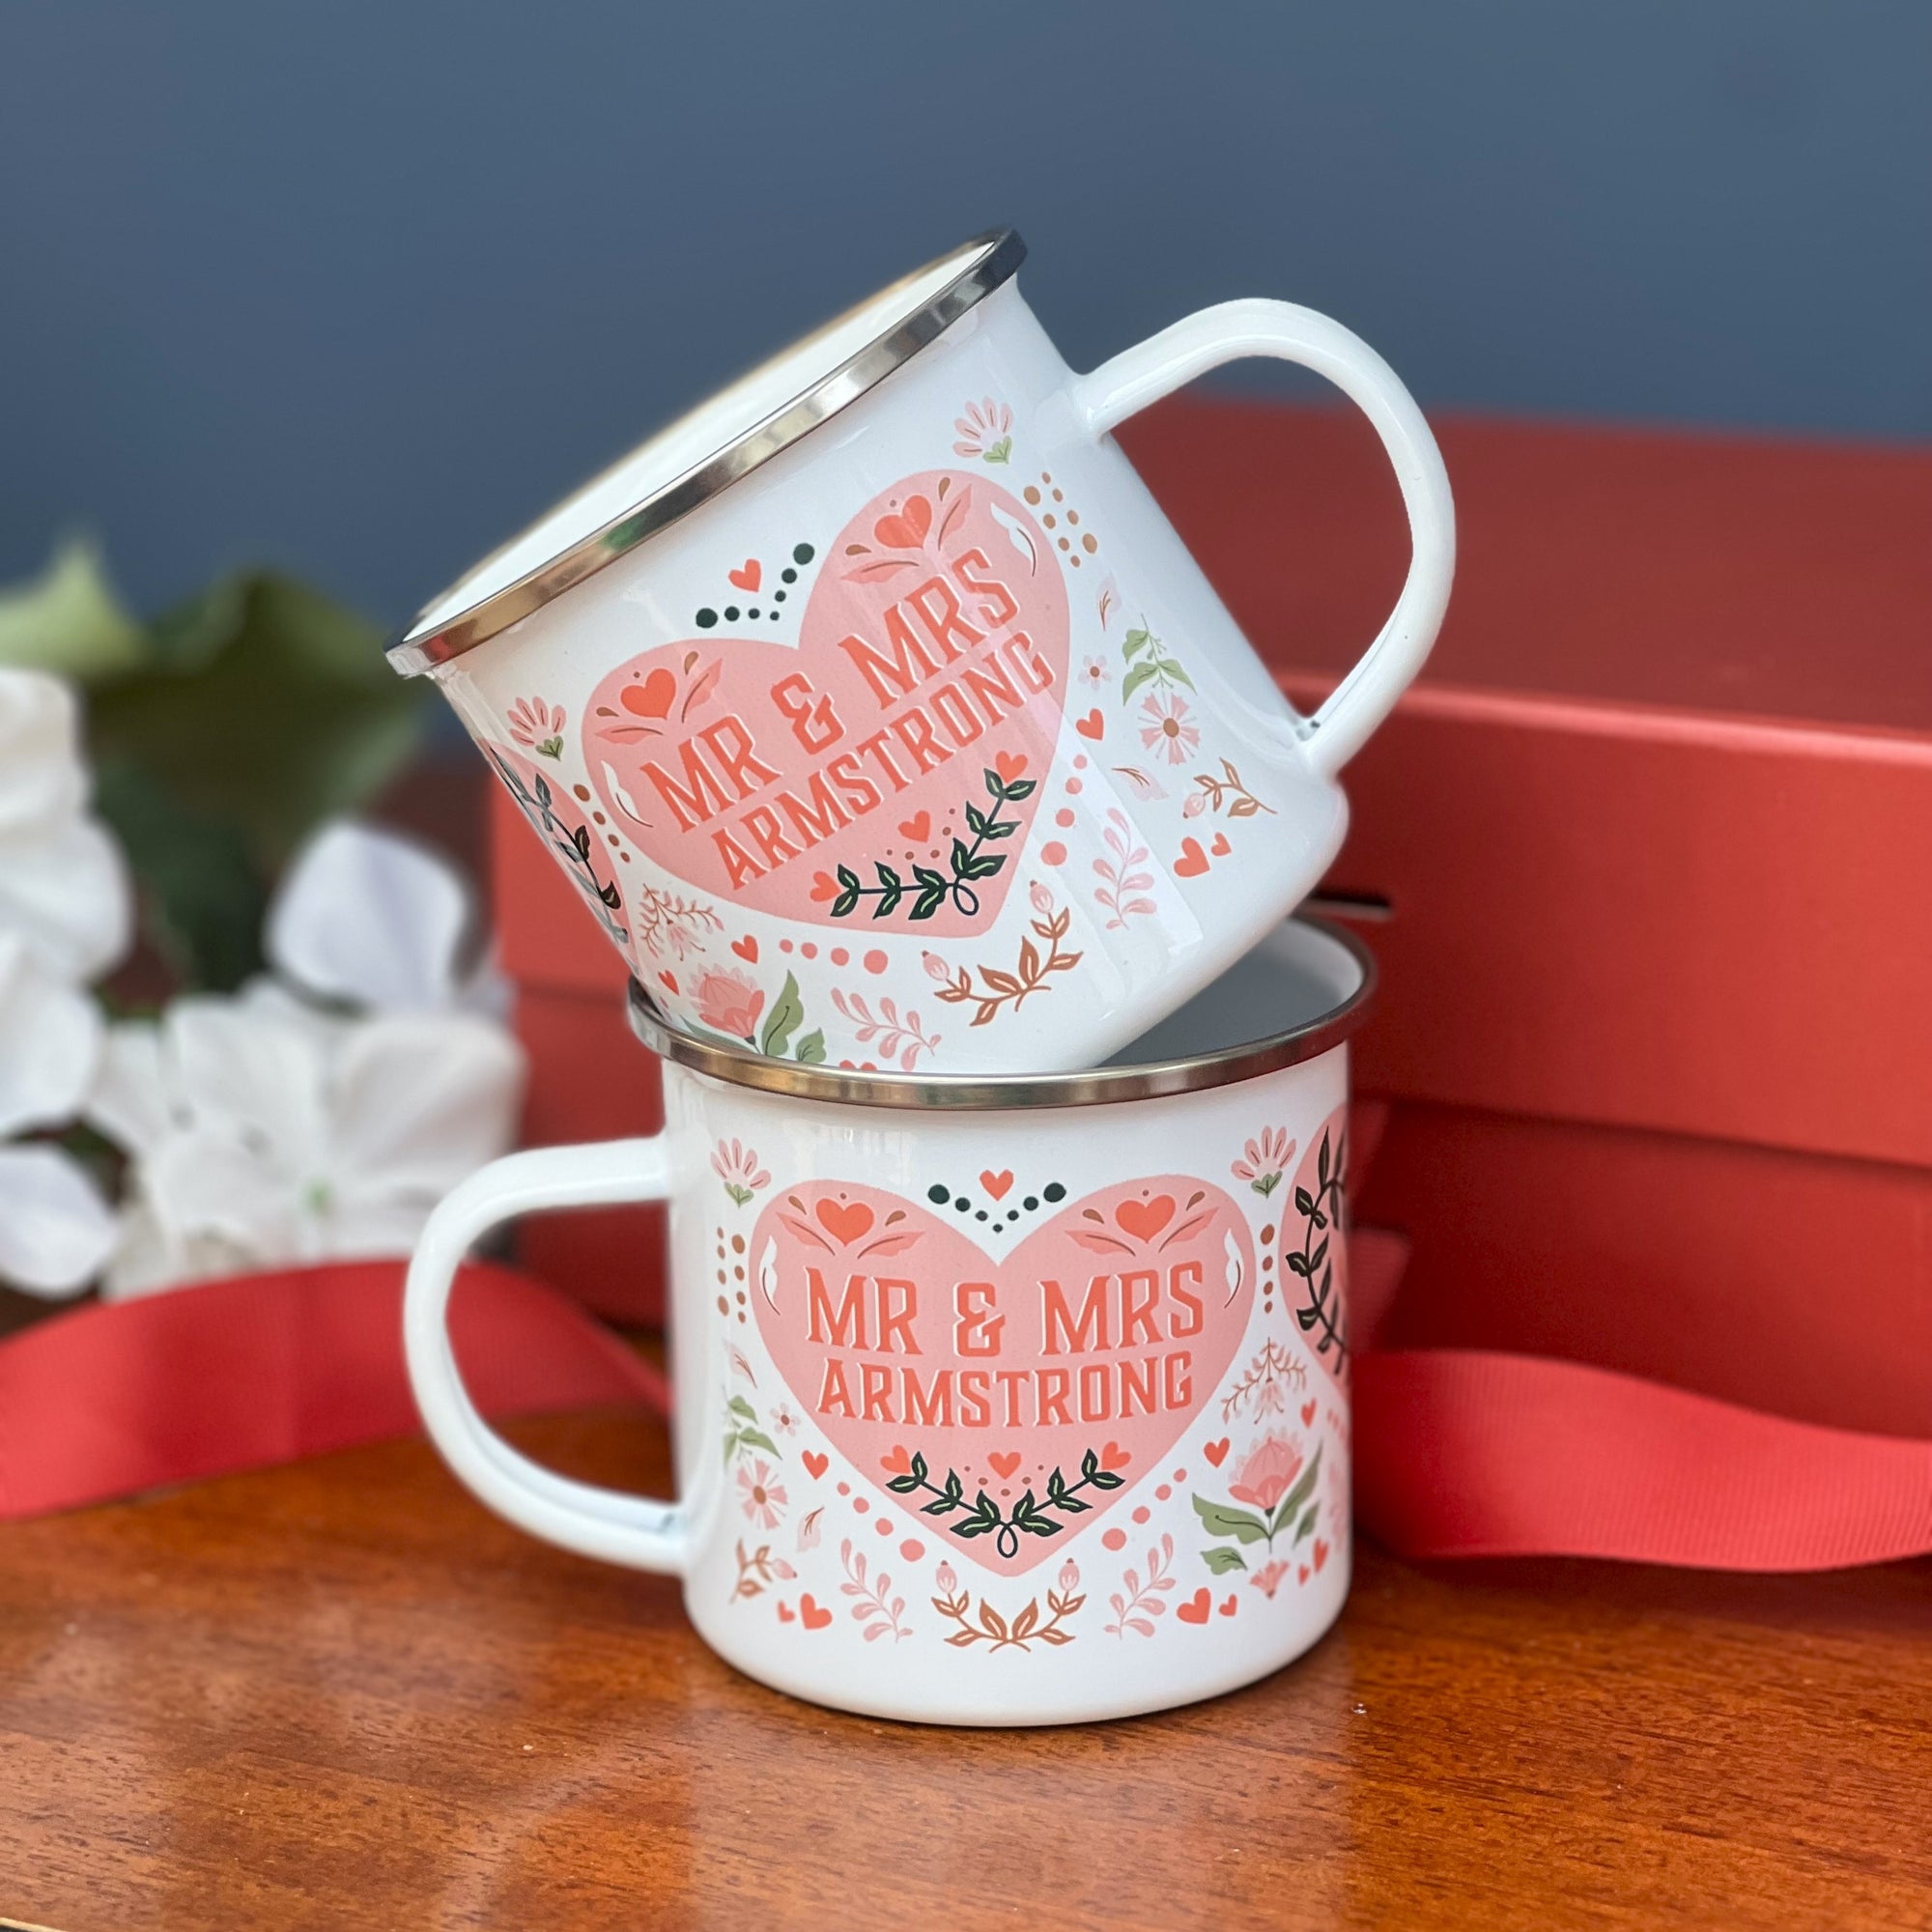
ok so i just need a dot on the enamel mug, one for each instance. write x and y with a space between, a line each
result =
1003 1400
879 714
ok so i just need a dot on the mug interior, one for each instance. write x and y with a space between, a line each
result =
1294 977
713 425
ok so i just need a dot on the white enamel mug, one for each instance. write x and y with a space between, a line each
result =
1010 1400
880 715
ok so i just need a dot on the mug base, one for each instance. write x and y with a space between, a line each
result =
977 1699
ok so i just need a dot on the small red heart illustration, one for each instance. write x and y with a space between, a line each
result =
918 827
1005 1462
652 699
845 1221
1302 1573
896 1462
1233 1604
816 1618
1220 847
786 1614
816 1464
1217 1451
1195 1611
1145 1219
746 949
824 887
1092 725
748 575
1192 863
1308 1413
669 981
1114 1456
1010 765
1321 1553
996 1184
907 529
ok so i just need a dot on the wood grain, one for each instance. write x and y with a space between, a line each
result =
339 1694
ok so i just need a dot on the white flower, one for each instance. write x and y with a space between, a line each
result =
373 918
264 1134
55 1229
62 888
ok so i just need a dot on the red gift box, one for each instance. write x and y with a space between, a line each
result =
1644 856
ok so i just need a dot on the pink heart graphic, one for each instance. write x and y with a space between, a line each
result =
994 1386
929 674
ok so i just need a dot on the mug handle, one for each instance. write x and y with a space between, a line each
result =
1226 334
639 1531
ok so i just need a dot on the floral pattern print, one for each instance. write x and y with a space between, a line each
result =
1167 728
737 1167
985 430
539 727
1264 1160
760 1494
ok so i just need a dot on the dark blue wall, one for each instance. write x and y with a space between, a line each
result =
353 288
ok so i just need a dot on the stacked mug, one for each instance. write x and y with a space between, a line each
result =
950 831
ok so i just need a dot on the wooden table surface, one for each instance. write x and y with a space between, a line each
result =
340 1694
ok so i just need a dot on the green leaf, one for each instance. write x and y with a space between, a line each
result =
1136 641
69 621
1140 674
730 1446
1174 673
1000 452
1305 1525
201 896
1106 1479
903 1485
787 1016
738 1405
1021 789
263 706
1221 1560
984 865
1296 1496
976 1525
1218 1520
977 820
757 1439
811 1050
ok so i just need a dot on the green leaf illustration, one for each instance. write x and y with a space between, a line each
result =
1136 641
1218 1520
787 1016
1001 452
1304 1488
811 1050
738 1405
1220 1560
1143 673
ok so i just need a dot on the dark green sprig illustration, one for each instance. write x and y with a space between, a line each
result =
1323 1212
572 847
929 888
984 1517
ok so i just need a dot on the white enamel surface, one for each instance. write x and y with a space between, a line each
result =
1203 907
719 1353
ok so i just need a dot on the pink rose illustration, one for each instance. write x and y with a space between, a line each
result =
1268 1472
728 1003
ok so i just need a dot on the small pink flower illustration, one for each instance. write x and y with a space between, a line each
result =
1042 900
937 967
946 1580
1070 1577
784 1420
1093 673
1196 805
737 1167
986 432
1165 728
1270 1576
1266 1473
539 727
760 1496
728 1003
1264 1160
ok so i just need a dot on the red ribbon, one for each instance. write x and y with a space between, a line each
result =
1456 1453
257 1370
